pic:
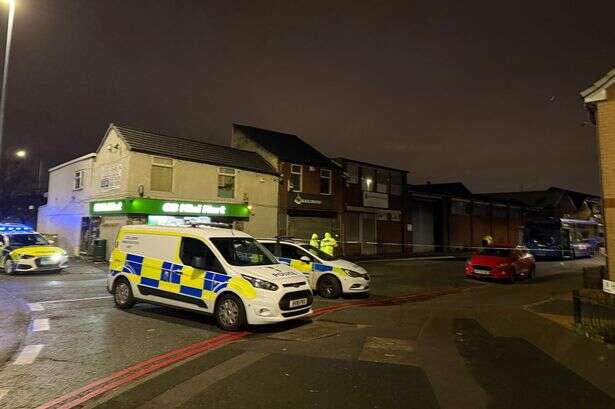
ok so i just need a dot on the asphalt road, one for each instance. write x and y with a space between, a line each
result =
426 338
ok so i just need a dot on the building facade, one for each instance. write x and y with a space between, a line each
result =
310 191
375 218
139 177
600 102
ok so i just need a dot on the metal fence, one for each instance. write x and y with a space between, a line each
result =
594 313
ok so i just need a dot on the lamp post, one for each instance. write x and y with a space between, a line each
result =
5 72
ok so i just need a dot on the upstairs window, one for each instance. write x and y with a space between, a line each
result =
396 183
368 181
296 178
352 173
226 183
79 180
325 182
161 176
382 181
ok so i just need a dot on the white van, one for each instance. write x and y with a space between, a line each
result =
214 270
329 275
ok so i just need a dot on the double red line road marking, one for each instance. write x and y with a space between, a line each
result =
149 366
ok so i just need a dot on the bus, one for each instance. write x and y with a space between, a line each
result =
563 238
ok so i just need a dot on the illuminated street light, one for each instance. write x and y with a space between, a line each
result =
21 153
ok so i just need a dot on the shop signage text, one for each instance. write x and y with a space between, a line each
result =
165 207
375 199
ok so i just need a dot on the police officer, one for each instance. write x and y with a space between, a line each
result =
315 242
487 241
328 244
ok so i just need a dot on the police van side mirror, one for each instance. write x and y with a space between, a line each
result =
305 259
199 262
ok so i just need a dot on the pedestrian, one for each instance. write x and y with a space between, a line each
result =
315 242
328 244
487 241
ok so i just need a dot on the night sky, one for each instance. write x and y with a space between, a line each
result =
482 92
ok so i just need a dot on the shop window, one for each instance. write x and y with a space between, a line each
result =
296 178
226 183
352 173
325 181
396 183
161 178
368 181
79 180
382 181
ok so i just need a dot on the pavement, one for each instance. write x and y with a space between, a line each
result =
425 338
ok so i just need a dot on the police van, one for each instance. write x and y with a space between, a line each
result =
24 250
208 269
329 275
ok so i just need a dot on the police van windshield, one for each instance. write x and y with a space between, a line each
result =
319 253
21 240
242 251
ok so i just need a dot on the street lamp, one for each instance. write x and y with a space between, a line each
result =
5 71
21 153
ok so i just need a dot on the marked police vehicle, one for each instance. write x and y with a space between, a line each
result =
329 275
208 269
24 250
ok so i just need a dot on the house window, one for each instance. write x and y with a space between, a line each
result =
368 179
382 181
325 182
396 183
161 177
296 178
352 173
226 183
79 180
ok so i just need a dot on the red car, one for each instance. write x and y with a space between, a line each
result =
501 262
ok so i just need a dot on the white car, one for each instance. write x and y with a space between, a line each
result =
329 275
207 269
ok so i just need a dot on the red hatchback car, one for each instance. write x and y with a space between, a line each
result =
501 262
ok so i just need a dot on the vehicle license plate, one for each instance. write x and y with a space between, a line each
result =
298 303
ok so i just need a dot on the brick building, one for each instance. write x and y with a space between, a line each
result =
375 215
600 102
310 194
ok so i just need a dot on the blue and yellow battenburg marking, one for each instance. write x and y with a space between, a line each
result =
305 268
168 276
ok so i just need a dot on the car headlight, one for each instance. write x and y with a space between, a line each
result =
355 274
56 257
26 256
258 283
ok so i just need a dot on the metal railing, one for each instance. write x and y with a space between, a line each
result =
594 314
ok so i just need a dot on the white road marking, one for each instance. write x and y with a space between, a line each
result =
40 324
3 392
35 306
182 393
28 355
102 297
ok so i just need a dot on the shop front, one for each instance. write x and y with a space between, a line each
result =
107 216
311 213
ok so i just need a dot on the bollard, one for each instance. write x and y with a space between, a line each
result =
576 306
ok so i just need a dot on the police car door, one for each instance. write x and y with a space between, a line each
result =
299 260
202 275
4 251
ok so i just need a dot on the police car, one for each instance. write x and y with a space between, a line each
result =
24 250
329 275
208 269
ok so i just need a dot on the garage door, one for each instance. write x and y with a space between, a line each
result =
422 226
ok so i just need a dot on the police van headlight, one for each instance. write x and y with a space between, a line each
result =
354 274
258 283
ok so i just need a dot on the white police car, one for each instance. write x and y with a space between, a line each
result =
24 250
329 275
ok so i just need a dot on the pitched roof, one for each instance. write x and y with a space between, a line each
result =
191 150
450 189
597 92
372 165
287 147
545 198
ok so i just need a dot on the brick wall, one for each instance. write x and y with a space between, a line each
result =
605 120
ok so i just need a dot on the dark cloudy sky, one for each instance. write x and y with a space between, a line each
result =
483 92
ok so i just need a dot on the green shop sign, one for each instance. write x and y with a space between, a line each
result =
168 207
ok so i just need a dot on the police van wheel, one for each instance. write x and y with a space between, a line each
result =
329 287
230 313
122 294
9 266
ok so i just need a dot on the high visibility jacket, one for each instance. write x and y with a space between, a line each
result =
328 244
